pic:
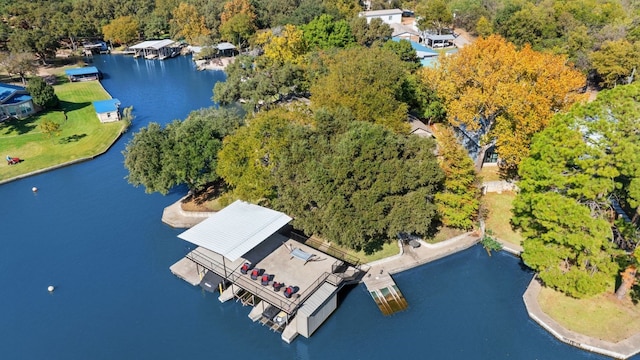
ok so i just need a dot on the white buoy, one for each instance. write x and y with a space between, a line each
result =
51 288
34 189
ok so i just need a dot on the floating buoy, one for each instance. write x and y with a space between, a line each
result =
34 189
51 288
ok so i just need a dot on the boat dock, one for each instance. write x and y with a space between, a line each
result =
385 293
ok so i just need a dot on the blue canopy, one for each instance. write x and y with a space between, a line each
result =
89 70
106 106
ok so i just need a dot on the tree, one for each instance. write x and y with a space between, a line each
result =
405 52
237 21
259 84
21 64
504 94
484 27
366 34
325 33
250 156
576 166
39 42
434 15
184 152
616 62
122 30
188 24
458 203
360 188
286 46
42 93
50 128
354 83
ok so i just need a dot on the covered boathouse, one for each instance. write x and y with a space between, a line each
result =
156 49
246 251
107 110
83 74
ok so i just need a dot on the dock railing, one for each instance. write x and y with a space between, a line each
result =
325 247
288 305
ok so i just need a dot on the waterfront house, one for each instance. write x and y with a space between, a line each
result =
86 73
15 101
292 286
389 16
107 110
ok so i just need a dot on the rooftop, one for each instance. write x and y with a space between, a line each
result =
87 70
105 106
236 229
7 90
153 44
381 12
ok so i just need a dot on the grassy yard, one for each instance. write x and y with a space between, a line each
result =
82 135
602 317
499 206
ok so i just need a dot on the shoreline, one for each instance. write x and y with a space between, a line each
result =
72 162
409 258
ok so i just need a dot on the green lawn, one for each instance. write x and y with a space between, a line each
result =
602 317
499 206
82 135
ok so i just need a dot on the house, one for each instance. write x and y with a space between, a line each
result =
15 101
391 16
156 49
418 127
107 110
83 74
406 32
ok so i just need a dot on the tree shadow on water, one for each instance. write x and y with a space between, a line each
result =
72 138
19 126
67 106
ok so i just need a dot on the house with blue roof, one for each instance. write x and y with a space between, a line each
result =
15 101
83 74
107 110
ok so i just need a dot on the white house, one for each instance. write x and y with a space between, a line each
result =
391 16
107 110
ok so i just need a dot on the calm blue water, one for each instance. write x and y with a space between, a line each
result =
101 242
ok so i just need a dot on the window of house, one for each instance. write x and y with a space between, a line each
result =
490 157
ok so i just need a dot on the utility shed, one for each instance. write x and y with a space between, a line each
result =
107 110
317 309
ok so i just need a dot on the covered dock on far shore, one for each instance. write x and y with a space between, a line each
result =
156 49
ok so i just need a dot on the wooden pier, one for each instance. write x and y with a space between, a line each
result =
385 293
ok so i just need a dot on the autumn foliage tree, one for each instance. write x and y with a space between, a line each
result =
354 83
459 201
506 94
286 45
122 30
187 23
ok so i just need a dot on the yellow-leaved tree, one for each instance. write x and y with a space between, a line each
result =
504 94
286 46
188 24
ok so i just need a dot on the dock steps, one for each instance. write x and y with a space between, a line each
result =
386 293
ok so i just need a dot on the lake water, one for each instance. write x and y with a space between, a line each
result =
101 242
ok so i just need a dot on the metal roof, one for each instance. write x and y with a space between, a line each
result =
87 70
105 106
225 46
316 300
441 37
236 229
152 44
20 98
7 90
381 12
